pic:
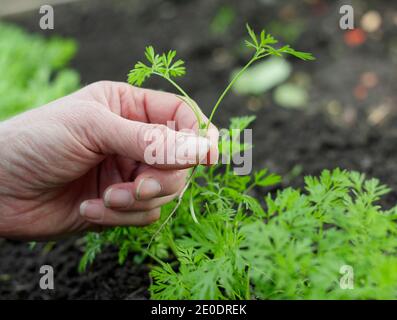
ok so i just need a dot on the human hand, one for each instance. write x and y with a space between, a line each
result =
79 163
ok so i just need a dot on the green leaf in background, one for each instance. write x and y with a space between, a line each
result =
290 32
33 70
291 96
263 76
223 20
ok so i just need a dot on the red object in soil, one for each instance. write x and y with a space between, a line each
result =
355 37
360 92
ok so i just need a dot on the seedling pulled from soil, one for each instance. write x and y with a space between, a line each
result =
166 66
286 244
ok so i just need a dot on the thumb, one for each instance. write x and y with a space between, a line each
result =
153 144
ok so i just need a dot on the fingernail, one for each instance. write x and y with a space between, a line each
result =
117 198
193 149
147 188
91 211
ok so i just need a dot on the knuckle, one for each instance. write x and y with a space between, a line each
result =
102 84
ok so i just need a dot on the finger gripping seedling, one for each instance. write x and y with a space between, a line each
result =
165 66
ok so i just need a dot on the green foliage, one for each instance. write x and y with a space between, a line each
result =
93 248
162 65
292 246
296 253
263 45
310 235
33 70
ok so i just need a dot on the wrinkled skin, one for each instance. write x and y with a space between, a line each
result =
78 163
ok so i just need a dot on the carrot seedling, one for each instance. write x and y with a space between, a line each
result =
166 66
286 244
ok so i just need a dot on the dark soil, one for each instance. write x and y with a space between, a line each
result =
112 36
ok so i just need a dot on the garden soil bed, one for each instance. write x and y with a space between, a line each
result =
112 36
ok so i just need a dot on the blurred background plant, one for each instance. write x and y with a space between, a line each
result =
33 70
